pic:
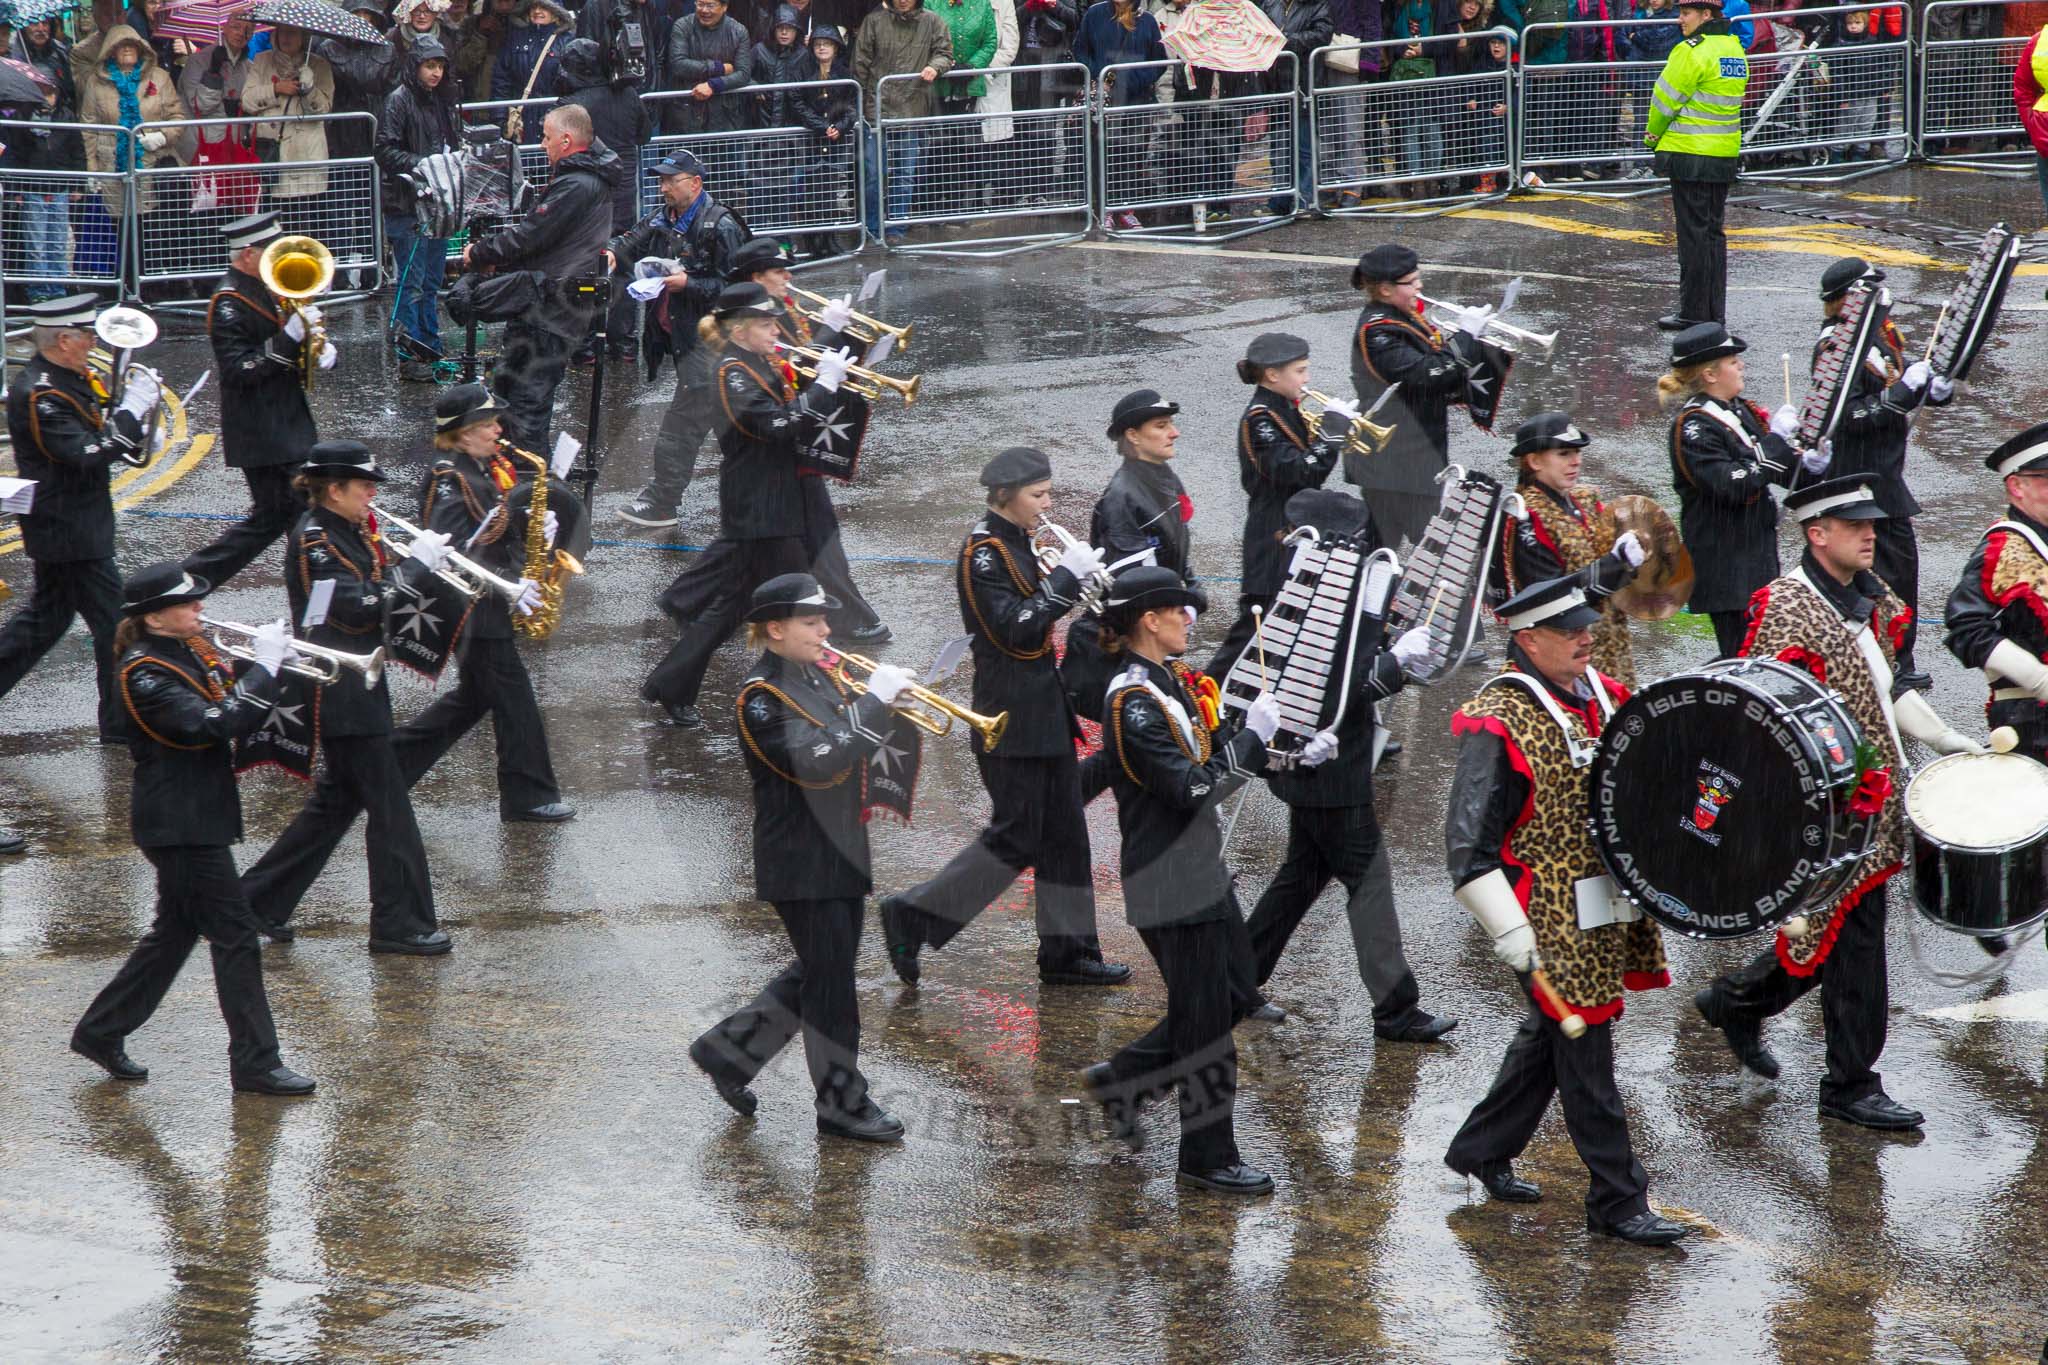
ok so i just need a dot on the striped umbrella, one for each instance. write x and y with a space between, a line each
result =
199 20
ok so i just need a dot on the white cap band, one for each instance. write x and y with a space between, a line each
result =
1543 611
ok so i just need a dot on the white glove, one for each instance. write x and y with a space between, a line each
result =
837 314
272 645
1491 901
549 526
1343 407
528 601
1193 616
1474 320
329 354
1917 375
430 548
647 291
1081 560
295 326
151 141
1262 717
1320 749
889 682
832 367
2012 664
140 389
1785 422
1412 648
1816 460
1630 547
1919 720
1941 388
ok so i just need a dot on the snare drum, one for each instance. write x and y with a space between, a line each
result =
1979 826
1721 798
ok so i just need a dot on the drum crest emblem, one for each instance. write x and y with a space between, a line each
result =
1717 787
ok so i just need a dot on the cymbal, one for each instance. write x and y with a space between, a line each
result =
1664 582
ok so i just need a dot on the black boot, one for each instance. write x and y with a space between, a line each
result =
899 934
1745 1040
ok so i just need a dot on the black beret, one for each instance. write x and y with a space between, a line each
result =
1384 264
1015 467
1270 349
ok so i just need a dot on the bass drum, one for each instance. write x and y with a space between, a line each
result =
1721 798
1979 826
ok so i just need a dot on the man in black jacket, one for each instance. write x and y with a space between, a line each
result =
699 235
1306 25
421 118
187 708
621 122
562 237
1045 37
266 426
65 441
707 62
1009 607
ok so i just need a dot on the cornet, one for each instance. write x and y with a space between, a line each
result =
1365 437
308 660
1509 337
1057 541
459 571
865 382
932 713
863 328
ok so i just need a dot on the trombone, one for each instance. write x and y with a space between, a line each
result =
863 381
863 328
308 660
1365 437
1057 541
932 714
461 573
1511 338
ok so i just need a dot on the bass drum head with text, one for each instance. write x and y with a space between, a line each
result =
1719 797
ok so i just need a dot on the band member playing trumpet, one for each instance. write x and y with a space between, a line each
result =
808 740
1519 837
764 421
1009 604
186 708
266 426
337 542
1832 616
1567 529
1276 456
66 438
1724 454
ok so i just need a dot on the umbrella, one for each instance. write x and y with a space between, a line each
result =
199 20
315 16
1226 35
21 83
20 14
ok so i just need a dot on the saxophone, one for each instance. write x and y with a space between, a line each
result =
549 568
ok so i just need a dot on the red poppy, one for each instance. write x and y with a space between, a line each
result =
1187 508
1871 792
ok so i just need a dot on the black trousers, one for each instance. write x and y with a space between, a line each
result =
1898 564
718 591
1239 635
1208 970
814 995
691 416
828 559
359 773
1700 207
64 591
493 682
1731 628
1854 998
531 362
1035 821
197 895
1342 842
273 507
1542 1062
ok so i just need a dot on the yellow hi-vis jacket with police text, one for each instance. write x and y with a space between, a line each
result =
1696 108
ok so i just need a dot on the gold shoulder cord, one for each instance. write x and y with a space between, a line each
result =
1116 708
746 735
129 702
967 590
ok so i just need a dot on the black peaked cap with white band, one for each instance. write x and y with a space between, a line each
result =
1148 587
2024 453
1849 497
791 594
254 230
1559 603
342 460
73 310
160 586
1547 431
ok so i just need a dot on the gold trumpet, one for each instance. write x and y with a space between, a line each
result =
298 270
863 328
308 660
863 381
1366 437
933 714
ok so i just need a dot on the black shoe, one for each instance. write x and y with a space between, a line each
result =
586 354
1268 1013
1085 971
1876 1110
872 1124
1992 946
1238 1179
1744 1040
645 511
553 813
1416 1026
683 717
417 372
1672 322
730 1088
277 1081
876 634
1646 1229
1392 749
414 945
12 842
111 1058
629 349
901 939
1120 1108
1506 1186
1915 680
278 932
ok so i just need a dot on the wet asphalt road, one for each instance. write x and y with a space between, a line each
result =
510 1159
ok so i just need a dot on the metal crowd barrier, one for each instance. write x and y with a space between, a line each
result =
1584 121
1836 105
1368 137
1188 163
1965 83
981 178
60 230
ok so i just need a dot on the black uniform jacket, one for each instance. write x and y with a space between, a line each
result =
705 250
1009 609
264 419
1871 437
1144 508
763 427
62 442
1276 458
808 744
1536 559
1345 780
1976 621
184 716
1169 774
1726 513
564 234
460 495
326 546
1393 347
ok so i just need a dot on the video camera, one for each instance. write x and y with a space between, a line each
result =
628 50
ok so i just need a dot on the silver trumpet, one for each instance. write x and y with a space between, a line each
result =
1050 542
1507 336
461 573
308 660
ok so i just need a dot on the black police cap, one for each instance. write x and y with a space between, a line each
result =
1559 603
1849 496
2026 452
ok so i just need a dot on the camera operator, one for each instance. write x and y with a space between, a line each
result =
621 122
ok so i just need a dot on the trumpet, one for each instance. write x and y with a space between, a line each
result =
1366 437
865 382
308 660
461 573
1057 541
932 713
1508 336
126 331
863 328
